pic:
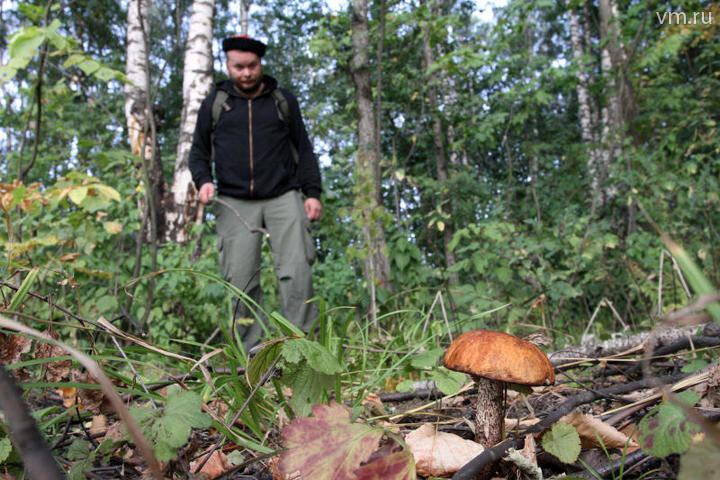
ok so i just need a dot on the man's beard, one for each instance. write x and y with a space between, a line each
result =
251 90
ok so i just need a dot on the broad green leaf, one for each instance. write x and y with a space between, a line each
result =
666 430
79 449
308 386
26 42
169 429
448 382
107 192
78 194
327 446
563 442
396 466
5 449
318 357
702 461
427 359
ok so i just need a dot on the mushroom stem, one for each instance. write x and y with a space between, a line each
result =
489 412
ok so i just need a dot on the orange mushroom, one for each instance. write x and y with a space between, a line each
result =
494 359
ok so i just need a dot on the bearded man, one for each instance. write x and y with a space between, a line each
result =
268 182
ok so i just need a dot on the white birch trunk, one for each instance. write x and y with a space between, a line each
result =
136 71
594 167
197 84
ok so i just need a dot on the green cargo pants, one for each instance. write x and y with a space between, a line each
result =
293 251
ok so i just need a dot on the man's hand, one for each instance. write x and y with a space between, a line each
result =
313 209
206 193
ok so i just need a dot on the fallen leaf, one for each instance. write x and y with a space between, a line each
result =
440 454
89 400
327 446
115 432
216 465
59 369
373 405
594 432
398 466
99 424
13 347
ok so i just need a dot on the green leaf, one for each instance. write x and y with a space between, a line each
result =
427 359
170 429
563 442
78 450
666 430
405 386
448 382
328 445
262 361
25 287
113 228
318 357
5 449
308 387
78 194
26 42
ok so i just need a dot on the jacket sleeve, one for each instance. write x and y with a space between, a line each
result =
200 152
308 171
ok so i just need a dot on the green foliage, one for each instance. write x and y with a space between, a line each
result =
666 430
169 428
5 448
563 442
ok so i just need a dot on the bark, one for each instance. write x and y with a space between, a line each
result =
244 10
489 414
141 131
197 83
439 150
377 266
585 112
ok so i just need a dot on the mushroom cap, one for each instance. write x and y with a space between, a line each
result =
499 356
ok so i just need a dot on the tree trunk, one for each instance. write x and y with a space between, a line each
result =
244 11
439 149
141 124
377 266
197 83
594 166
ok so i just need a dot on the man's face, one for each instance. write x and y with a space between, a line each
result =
244 69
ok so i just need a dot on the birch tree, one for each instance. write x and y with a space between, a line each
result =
197 83
138 113
377 266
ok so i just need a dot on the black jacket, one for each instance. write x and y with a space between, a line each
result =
253 158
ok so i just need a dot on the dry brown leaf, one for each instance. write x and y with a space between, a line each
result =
216 465
13 347
373 405
115 432
275 470
440 454
590 428
57 370
89 400
99 424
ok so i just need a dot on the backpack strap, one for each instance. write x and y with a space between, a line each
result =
221 97
283 109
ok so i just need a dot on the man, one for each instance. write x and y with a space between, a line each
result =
263 161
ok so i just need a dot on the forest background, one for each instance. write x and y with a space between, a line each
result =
513 174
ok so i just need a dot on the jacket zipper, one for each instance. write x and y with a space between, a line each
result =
252 178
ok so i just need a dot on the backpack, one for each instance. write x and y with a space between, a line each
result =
280 103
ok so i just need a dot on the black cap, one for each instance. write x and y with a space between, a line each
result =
245 43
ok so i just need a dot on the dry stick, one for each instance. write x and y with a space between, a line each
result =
34 451
94 369
497 452
266 376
